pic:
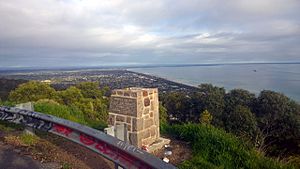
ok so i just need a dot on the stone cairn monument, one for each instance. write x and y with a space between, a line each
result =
138 110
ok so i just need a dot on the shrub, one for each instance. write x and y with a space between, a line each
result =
205 118
23 140
29 139
213 148
71 113
8 126
32 91
241 122
62 111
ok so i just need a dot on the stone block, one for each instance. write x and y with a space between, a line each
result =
152 106
120 93
135 139
146 111
128 120
148 141
128 127
145 93
125 106
151 114
127 93
148 123
111 119
145 134
133 94
140 108
137 124
120 118
153 131
146 102
158 144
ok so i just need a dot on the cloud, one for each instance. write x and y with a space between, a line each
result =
92 32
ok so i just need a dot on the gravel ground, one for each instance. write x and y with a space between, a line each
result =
11 159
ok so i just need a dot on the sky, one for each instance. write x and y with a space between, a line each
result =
58 33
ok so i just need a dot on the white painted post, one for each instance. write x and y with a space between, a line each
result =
27 106
121 132
110 131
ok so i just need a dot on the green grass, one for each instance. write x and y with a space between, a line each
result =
29 139
21 140
8 127
7 103
214 148
71 113
66 166
62 111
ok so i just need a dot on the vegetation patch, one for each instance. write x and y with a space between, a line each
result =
83 103
29 139
24 140
53 108
269 122
214 148
8 127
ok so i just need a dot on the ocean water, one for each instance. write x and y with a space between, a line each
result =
284 78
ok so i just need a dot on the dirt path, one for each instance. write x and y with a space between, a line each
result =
54 152
50 152
11 159
83 155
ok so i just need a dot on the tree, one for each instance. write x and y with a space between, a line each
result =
163 116
205 118
178 106
62 111
239 97
242 122
94 104
70 96
32 91
279 122
90 90
212 99
7 85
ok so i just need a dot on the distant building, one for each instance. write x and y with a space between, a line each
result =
46 81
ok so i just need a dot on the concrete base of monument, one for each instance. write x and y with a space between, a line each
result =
158 144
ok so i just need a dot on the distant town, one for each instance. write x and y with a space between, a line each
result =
114 79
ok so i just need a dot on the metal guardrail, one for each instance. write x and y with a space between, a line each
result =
120 152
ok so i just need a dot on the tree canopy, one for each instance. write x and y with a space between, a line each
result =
85 98
242 122
270 121
279 120
32 91
212 99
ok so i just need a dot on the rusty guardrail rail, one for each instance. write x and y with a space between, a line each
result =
120 152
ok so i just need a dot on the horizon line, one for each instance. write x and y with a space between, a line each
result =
137 65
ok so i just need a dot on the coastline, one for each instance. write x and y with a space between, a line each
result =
122 78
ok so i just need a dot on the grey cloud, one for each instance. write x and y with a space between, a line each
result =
91 32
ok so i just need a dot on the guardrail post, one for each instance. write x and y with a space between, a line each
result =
27 106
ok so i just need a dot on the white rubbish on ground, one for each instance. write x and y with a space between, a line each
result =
168 153
165 159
